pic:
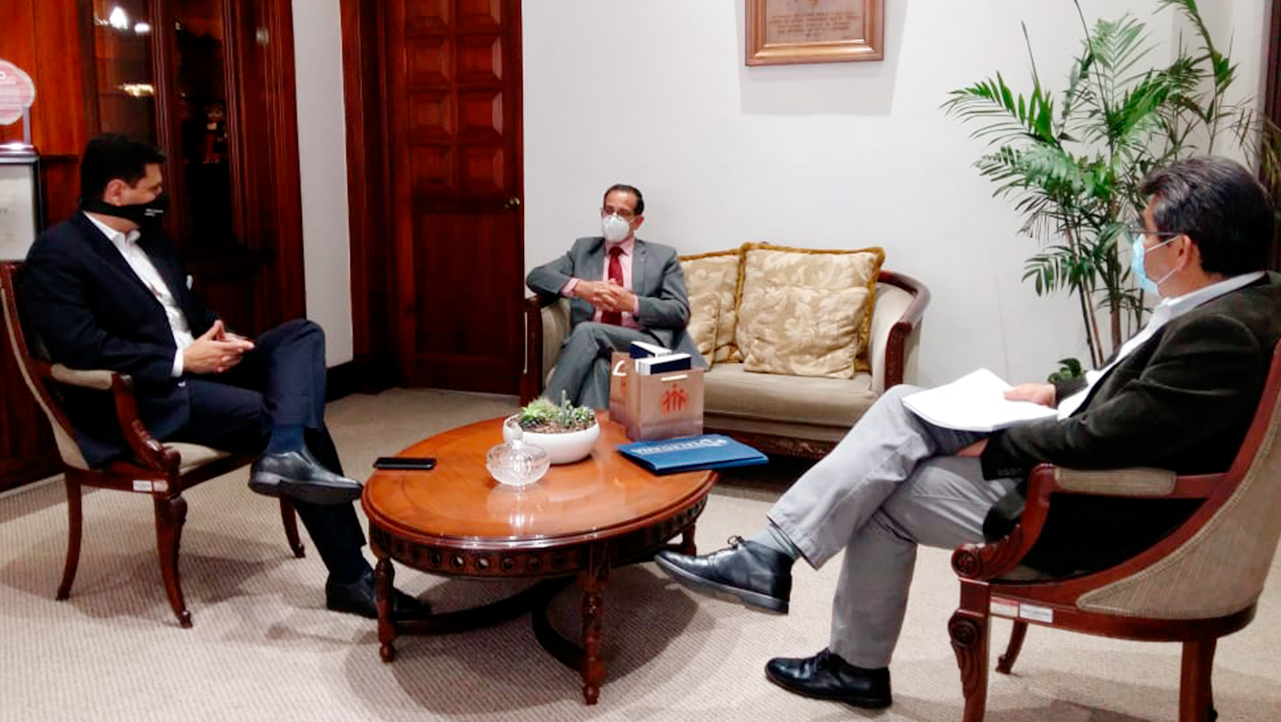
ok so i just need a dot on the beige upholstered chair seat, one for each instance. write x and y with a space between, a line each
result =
195 455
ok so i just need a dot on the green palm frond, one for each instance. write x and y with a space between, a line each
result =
1071 162
1014 115
1118 46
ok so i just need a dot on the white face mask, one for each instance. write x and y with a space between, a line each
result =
1138 264
614 228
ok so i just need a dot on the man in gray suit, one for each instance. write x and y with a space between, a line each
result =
1180 395
621 289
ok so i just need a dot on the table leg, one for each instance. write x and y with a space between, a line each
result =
593 667
687 542
384 575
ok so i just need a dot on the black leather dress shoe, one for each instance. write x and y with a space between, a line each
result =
358 598
757 575
827 676
297 475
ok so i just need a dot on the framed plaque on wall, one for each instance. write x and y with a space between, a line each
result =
814 31
19 200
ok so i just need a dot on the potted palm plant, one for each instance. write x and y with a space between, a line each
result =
1073 161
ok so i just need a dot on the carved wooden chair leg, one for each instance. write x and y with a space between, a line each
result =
1005 662
969 633
171 513
1196 696
290 520
75 523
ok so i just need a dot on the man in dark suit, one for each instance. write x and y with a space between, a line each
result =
105 290
622 289
1180 395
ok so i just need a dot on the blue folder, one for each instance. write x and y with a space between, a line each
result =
688 453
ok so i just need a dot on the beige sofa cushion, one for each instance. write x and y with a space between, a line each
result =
702 323
711 279
806 312
732 391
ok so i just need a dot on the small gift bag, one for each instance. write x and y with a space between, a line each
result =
661 406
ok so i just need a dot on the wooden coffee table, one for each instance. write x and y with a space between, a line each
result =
579 521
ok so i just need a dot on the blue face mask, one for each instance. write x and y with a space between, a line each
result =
1140 271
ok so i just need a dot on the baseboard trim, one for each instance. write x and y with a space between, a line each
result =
342 380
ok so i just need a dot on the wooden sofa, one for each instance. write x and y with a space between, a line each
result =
777 413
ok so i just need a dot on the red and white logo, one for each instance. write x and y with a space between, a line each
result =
674 399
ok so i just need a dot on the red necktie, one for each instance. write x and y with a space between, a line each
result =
616 275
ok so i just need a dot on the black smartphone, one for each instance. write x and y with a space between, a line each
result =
414 463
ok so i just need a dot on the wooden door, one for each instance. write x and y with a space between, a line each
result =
457 254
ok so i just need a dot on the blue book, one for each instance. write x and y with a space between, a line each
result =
688 453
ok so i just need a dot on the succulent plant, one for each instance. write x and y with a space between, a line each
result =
544 416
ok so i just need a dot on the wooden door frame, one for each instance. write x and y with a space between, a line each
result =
281 294
368 195
370 192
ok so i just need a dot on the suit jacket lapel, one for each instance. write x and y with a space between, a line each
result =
165 266
638 267
110 254
593 262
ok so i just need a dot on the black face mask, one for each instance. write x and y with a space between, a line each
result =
144 214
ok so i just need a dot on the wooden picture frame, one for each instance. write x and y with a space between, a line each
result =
814 31
19 201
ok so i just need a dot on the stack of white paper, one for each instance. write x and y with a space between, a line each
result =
664 364
975 402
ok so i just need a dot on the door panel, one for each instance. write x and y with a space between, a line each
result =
458 249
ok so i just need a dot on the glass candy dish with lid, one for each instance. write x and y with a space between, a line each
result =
517 462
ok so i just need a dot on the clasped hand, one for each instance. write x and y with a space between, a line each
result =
608 296
215 351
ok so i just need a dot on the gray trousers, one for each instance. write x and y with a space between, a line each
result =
582 369
891 484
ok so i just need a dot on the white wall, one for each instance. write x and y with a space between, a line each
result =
827 156
835 155
322 156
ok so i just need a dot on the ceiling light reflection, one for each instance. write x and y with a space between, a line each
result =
118 19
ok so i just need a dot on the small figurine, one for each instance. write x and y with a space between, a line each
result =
215 133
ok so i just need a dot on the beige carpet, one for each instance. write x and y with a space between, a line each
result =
263 647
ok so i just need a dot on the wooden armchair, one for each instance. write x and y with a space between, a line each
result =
1199 583
161 471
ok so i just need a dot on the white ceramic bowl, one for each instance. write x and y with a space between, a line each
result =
561 448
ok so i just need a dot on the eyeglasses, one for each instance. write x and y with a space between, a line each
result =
1136 228
625 213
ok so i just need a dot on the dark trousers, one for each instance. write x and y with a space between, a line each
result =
280 382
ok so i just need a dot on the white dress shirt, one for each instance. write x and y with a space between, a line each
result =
1167 309
151 278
